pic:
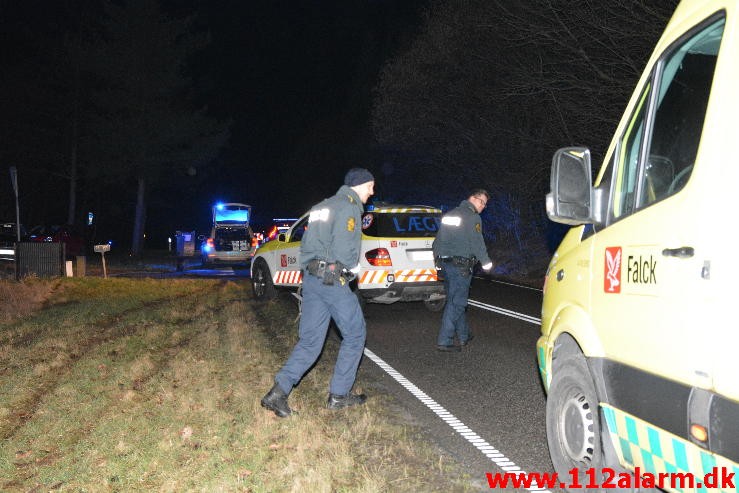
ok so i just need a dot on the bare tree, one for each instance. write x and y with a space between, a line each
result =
491 88
146 127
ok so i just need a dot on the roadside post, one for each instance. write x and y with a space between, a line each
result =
14 181
102 249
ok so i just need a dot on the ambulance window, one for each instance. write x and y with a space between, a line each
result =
671 111
684 88
627 163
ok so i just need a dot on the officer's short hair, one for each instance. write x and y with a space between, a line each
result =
479 191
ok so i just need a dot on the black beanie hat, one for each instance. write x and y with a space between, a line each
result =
357 176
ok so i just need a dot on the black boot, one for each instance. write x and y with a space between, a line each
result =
276 400
336 401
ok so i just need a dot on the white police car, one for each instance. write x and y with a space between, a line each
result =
396 260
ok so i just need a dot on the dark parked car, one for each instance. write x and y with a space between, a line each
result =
8 237
74 241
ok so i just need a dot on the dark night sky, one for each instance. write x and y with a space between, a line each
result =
292 71
293 76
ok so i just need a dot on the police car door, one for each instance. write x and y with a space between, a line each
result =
648 263
287 268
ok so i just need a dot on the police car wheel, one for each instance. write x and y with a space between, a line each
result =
261 281
435 305
573 421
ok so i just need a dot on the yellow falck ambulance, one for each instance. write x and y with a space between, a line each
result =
639 351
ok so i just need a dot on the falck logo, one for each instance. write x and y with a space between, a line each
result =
283 260
612 278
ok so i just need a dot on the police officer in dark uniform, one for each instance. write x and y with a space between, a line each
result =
457 248
329 258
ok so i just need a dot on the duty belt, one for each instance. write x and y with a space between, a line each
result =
317 266
329 271
457 260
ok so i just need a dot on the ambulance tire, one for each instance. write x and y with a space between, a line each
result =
261 282
435 305
573 421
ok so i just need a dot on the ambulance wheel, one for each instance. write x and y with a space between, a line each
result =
261 281
573 421
435 305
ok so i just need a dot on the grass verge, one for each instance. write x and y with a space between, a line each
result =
154 385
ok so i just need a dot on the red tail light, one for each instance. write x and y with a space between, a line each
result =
379 257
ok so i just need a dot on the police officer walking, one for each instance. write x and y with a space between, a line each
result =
457 248
329 259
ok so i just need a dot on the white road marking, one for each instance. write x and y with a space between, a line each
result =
503 311
496 456
522 286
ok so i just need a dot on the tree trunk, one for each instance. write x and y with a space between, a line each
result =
72 210
137 241
74 144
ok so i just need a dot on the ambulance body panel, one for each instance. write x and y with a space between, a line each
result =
642 287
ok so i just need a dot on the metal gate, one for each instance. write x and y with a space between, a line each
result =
39 259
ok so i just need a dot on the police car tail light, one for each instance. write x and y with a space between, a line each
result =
379 257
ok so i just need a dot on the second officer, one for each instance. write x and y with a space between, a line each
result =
458 246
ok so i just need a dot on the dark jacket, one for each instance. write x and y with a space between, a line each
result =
460 234
334 230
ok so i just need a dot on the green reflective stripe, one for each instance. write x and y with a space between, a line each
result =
610 416
681 457
633 436
657 451
654 444
647 459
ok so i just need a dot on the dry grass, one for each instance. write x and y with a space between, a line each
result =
154 385
19 299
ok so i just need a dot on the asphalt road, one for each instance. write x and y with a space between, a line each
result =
492 386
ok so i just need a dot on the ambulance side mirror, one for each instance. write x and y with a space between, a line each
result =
281 237
570 200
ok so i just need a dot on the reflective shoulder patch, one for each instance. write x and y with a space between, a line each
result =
350 224
451 220
318 215
478 228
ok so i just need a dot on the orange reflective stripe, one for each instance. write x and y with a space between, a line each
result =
408 275
288 277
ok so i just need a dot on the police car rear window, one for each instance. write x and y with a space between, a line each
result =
401 224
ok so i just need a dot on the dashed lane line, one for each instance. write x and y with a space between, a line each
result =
492 453
503 311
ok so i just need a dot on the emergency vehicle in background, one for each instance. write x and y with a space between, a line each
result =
279 225
396 261
640 344
230 239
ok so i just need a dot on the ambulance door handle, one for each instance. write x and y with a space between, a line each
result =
682 252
